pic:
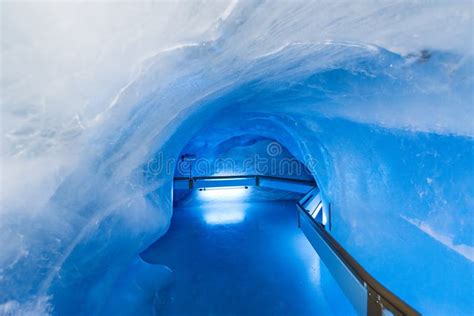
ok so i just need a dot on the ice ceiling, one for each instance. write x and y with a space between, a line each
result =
380 94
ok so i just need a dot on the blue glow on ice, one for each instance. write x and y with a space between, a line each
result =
230 215
98 100
226 217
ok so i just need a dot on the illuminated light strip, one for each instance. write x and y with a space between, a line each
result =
222 188
222 194
317 210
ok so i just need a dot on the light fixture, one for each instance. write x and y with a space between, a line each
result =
222 194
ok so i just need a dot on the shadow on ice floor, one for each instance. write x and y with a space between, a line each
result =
230 256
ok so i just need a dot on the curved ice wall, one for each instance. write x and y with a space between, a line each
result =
379 95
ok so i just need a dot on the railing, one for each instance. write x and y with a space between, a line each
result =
202 183
366 294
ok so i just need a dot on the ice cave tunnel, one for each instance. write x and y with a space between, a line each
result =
237 158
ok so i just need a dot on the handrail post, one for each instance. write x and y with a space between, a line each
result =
330 216
374 308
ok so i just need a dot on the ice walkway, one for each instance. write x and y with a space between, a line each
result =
234 257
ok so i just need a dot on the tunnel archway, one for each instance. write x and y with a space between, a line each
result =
355 173
358 162
243 230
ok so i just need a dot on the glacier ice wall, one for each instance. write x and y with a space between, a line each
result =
378 94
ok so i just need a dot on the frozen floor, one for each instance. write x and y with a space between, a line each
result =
240 258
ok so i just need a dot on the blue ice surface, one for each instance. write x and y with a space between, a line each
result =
391 136
234 256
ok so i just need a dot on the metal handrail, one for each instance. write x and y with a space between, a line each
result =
309 182
379 297
255 180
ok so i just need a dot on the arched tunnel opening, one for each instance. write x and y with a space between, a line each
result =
226 180
235 229
239 157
